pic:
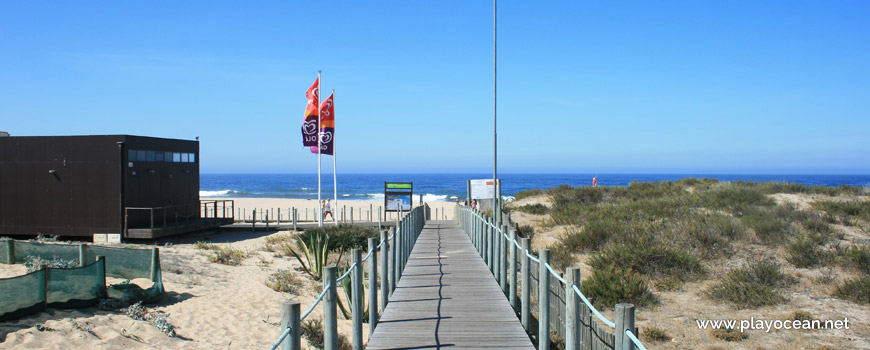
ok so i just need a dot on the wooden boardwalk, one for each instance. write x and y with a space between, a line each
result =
447 299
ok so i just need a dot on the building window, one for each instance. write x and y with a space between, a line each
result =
176 157
141 156
193 157
131 155
151 156
185 157
159 156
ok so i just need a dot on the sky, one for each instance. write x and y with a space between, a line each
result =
773 87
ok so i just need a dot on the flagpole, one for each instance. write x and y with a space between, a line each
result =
495 198
319 206
334 177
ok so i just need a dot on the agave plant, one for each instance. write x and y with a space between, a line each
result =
347 289
315 248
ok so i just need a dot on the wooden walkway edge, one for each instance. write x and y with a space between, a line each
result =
447 299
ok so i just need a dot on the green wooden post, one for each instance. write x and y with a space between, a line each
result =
379 217
512 270
543 300
393 275
101 276
295 213
10 251
290 319
624 314
496 210
526 304
385 272
330 312
496 256
572 310
83 255
356 279
351 215
254 221
267 220
155 264
373 284
468 191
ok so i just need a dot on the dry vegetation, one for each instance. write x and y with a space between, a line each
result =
699 249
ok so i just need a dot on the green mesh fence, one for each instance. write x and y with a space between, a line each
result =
45 251
76 288
22 295
123 262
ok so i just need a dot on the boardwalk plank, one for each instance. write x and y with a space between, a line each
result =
447 299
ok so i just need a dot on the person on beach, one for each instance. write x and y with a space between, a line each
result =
327 208
594 181
474 204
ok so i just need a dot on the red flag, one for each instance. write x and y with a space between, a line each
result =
309 125
327 127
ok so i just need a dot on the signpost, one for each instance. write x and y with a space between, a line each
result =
396 194
482 189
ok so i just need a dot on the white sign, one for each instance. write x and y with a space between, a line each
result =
482 189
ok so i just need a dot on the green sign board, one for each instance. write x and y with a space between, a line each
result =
398 185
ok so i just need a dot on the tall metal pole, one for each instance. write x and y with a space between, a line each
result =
495 198
319 205
334 178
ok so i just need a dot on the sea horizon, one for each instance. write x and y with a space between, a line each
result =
452 186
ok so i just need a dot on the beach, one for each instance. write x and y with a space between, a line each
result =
210 305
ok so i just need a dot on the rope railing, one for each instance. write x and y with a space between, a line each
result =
394 249
493 244
634 339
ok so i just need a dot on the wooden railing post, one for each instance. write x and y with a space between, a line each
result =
624 313
379 217
543 300
373 284
512 269
497 242
10 251
290 318
572 310
330 312
155 264
295 215
503 255
526 303
357 306
488 244
394 275
385 272
254 220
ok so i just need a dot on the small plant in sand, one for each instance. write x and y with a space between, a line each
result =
611 285
284 281
226 255
157 319
729 334
312 330
274 242
315 250
537 209
203 245
655 334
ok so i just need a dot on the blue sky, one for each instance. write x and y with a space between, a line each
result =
649 87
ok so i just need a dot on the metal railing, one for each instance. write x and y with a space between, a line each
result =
564 306
394 249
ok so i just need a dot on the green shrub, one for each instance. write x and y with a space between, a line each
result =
801 315
611 285
561 257
537 209
591 236
859 257
526 231
752 285
771 225
734 198
845 212
203 245
528 193
649 258
806 252
565 195
284 281
857 290
342 237
312 330
655 334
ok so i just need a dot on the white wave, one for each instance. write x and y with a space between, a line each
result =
507 199
434 197
214 193
345 195
375 195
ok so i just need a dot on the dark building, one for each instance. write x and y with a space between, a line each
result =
141 187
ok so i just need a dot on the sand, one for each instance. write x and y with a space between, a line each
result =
211 306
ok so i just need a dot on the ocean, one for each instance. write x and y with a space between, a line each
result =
442 187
